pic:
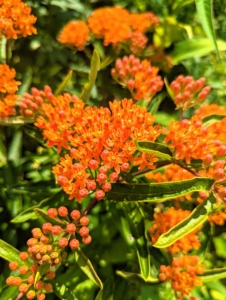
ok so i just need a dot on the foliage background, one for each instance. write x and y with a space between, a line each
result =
27 180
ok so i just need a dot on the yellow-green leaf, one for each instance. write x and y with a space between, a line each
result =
87 267
64 83
156 148
95 66
196 218
204 9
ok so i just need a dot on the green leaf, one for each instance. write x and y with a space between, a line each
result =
15 121
62 291
159 192
40 272
194 48
209 120
86 266
204 9
108 60
107 292
10 292
158 149
178 5
214 274
15 147
95 66
136 222
206 237
26 81
129 275
170 92
43 215
196 218
64 83
9 253
119 216
3 158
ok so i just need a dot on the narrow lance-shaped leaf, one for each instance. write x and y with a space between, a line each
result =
208 120
157 192
95 66
43 215
87 267
156 148
107 292
136 222
40 272
15 121
196 218
204 9
64 83
194 48
214 274
9 253
170 92
129 275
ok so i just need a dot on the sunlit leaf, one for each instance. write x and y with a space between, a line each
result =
157 192
204 9
195 219
214 274
43 215
159 150
9 253
95 66
87 267
64 83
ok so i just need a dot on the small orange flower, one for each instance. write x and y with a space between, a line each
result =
8 87
110 24
183 275
143 22
16 19
74 33
137 42
191 139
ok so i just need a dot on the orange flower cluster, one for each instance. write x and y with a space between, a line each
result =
56 116
74 33
183 275
103 142
100 140
209 109
137 42
8 87
191 139
16 19
114 25
143 22
110 23
165 221
139 77
187 92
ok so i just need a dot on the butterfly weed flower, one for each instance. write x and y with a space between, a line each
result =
139 77
74 34
188 92
102 146
183 275
8 87
16 19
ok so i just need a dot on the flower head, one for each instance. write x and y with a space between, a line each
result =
8 87
74 33
16 19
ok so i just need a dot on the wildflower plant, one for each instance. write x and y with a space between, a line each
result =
116 173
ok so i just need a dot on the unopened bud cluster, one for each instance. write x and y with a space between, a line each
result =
47 247
139 77
183 275
187 92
